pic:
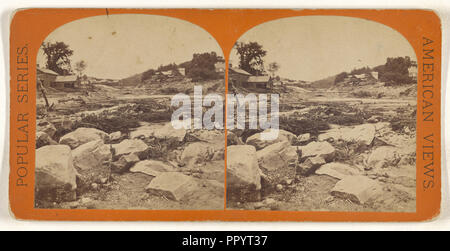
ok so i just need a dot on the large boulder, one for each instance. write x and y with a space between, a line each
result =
43 139
310 165
233 139
46 126
278 161
164 132
151 167
129 146
243 173
259 143
81 136
124 163
303 138
172 185
358 189
115 136
168 132
361 133
321 149
198 152
92 161
383 157
338 170
55 175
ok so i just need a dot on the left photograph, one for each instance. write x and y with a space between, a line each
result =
108 90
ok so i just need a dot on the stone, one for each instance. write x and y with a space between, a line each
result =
129 146
310 165
283 136
269 201
338 170
279 187
151 167
374 119
197 152
91 155
303 138
168 132
278 161
124 163
55 175
172 185
243 173
364 134
321 149
43 139
91 160
81 136
358 189
115 136
277 156
47 127
233 139
383 157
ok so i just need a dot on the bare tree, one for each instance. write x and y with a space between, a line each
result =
273 68
80 66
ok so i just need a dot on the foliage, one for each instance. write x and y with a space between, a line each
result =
147 74
340 77
202 66
273 68
251 57
395 71
58 57
80 66
361 70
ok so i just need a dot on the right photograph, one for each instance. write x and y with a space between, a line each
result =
321 116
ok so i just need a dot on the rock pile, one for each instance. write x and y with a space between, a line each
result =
86 159
277 165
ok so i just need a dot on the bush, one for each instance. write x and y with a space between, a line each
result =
301 126
362 94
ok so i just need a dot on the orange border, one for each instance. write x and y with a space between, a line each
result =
31 26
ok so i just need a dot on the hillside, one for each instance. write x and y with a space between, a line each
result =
324 83
132 80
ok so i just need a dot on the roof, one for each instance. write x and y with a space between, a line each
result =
69 78
258 79
240 71
47 71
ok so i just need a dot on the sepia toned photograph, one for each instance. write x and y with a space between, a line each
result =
344 117
105 137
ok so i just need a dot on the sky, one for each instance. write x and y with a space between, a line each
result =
119 46
315 47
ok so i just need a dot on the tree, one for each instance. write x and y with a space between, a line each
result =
340 77
251 57
80 66
395 71
58 57
202 66
273 68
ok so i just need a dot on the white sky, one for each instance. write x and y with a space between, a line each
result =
314 47
119 46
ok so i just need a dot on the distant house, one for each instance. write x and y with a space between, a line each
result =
238 76
262 82
46 76
242 78
412 72
68 81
